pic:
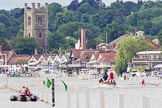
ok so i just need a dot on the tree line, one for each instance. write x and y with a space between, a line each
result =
93 15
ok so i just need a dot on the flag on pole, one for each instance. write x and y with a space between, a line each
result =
65 85
48 83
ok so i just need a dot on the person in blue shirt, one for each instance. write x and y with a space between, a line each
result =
104 78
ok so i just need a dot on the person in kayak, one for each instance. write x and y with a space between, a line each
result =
22 91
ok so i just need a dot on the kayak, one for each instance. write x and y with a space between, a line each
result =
24 98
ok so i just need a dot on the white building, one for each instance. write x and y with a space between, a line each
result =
147 59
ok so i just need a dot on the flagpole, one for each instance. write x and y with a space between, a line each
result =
53 93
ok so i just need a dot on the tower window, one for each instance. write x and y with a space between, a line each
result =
40 20
40 35
29 20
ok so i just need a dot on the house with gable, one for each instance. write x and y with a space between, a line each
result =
33 61
57 60
80 55
5 56
42 61
112 46
19 63
50 59
79 59
154 42
64 61
99 60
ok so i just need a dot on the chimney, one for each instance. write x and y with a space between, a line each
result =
1 49
83 39
35 51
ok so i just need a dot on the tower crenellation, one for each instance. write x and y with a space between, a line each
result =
36 23
33 6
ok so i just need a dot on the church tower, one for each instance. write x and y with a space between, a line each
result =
36 24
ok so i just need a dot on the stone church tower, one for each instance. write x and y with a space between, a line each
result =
36 24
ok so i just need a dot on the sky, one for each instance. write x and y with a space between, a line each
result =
11 4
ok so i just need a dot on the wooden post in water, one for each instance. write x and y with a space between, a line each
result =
53 93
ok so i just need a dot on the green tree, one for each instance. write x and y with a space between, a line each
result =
2 28
4 43
118 12
160 38
4 19
127 48
53 9
56 40
24 45
70 43
115 30
148 5
63 18
85 18
105 69
147 27
86 8
17 12
131 7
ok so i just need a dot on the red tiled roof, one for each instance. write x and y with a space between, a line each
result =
150 41
76 52
37 56
86 55
96 54
108 56
20 58
9 54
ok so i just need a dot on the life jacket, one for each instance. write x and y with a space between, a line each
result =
111 75
27 92
105 77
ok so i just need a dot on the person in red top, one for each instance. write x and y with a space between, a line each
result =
111 77
27 91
